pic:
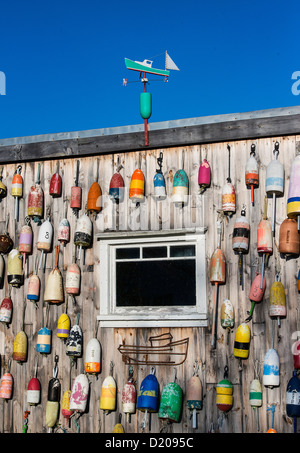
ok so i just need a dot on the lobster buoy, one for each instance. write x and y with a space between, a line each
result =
52 405
33 392
293 399
277 303
92 364
17 189
264 239
137 186
204 175
76 193
79 393
6 243
255 398
194 397
147 400
242 341
44 338
275 181
15 268
271 369
74 341
116 188
129 399
73 279
228 199
289 241
63 232
145 105
6 308
224 397
227 314
240 241
65 406
63 326
54 287
6 386
180 188
55 185
170 403
83 233
45 236
94 199
25 241
36 199
159 186
108 394
293 201
20 347
118 428
251 173
33 289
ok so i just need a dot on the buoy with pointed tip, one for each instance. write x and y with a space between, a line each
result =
118 428
251 173
17 189
54 287
194 397
6 308
242 341
180 188
15 275
137 186
79 393
271 369
275 181
204 175
92 364
256 293
55 185
240 241
293 200
94 199
289 241
76 193
83 233
35 207
277 302
45 236
147 400
63 326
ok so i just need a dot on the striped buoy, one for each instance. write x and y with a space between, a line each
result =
25 240
6 386
53 398
224 398
108 393
137 186
20 347
159 186
17 189
129 398
44 338
242 341
293 201
6 310
251 173
116 188
36 199
15 275
92 364
271 369
63 326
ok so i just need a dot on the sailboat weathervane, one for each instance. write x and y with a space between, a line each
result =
145 67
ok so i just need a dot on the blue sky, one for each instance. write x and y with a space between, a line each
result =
64 61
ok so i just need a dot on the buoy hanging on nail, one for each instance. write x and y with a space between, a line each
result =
275 181
289 240
45 236
63 326
35 207
44 340
79 394
76 193
264 240
271 369
159 181
242 341
228 193
256 293
251 173
34 389
53 398
6 242
6 383
137 186
255 398
17 189
15 275
54 287
204 175
116 188
180 188
83 233
25 240
147 400
73 277
108 393
194 397
74 340
92 364
55 185
63 232
34 284
227 316
170 406
6 309
118 428
20 347
240 241
277 300
293 200
94 199
224 393
129 398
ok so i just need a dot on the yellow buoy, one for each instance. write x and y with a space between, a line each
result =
20 347
108 394
63 326
242 341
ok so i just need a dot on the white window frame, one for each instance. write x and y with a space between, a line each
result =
170 316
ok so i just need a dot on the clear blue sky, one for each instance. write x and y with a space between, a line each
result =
64 60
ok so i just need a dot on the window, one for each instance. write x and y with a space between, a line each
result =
152 279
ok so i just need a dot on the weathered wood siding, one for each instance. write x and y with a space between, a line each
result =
152 215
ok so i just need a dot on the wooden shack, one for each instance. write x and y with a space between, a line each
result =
153 224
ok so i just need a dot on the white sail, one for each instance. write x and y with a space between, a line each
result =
169 63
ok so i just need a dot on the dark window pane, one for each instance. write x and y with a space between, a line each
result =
127 253
156 283
155 252
182 250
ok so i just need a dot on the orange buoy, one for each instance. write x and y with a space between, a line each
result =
6 386
137 186
94 199
289 241
251 173
76 193
17 189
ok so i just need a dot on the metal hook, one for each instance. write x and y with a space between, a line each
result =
55 366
